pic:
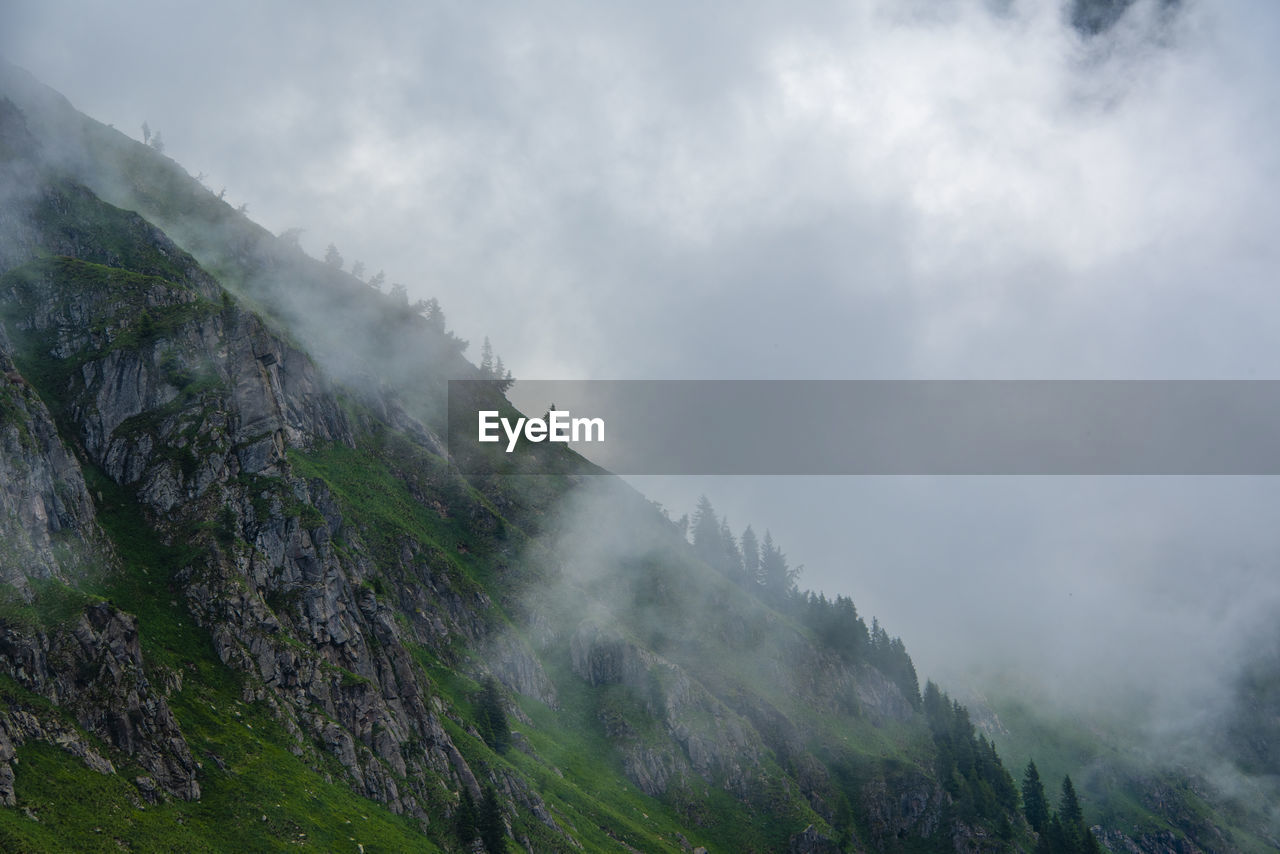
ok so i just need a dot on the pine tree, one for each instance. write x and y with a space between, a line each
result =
486 359
434 314
1034 805
750 556
730 557
493 831
774 573
502 375
706 533
146 326
1069 805
332 257
1056 836
493 718
464 820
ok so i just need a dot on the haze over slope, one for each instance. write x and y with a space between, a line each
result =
941 191
960 189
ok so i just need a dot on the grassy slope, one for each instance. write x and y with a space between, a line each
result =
262 798
1114 778
248 769
574 766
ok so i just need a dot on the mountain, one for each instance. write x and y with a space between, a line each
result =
248 600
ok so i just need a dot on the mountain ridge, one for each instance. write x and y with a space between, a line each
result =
265 495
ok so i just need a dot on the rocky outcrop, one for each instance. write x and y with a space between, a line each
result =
20 724
514 663
810 841
909 805
43 499
87 663
698 733
165 372
193 404
1162 842
92 668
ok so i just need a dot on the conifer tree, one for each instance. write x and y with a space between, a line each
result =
493 718
1057 837
434 314
730 557
774 573
464 820
1069 805
706 532
502 375
1034 805
750 556
332 257
493 832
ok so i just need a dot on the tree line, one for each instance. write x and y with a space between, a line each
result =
966 761
1061 831
760 567
490 367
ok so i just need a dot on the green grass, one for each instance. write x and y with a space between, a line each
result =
81 810
122 320
265 801
376 499
1111 773
53 604
121 236
574 769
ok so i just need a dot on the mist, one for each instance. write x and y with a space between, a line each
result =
946 190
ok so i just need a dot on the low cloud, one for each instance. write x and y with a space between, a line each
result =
875 190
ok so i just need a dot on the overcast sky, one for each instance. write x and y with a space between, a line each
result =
828 190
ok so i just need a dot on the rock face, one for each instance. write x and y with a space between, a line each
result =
198 417
697 734
93 668
810 841
1164 842
908 805
192 404
43 500
89 665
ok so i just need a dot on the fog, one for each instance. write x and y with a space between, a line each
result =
942 190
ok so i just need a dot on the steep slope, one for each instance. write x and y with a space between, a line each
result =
318 622
1147 793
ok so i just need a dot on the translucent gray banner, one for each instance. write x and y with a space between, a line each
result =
806 427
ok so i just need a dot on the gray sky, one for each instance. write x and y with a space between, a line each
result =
855 190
